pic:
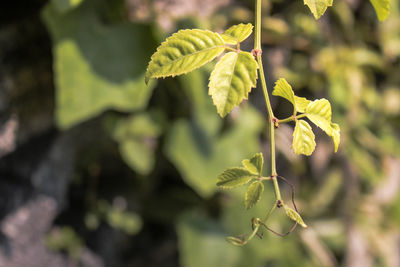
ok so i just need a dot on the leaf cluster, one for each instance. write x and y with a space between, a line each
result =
234 75
250 172
318 111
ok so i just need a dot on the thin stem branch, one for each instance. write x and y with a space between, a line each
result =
292 118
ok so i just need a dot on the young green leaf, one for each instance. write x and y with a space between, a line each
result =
382 8
320 113
318 7
237 33
183 52
282 88
292 214
231 80
234 177
336 135
235 241
301 103
255 164
253 194
303 138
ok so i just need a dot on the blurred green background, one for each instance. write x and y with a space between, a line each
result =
98 169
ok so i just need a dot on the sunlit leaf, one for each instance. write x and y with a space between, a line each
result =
292 214
382 8
183 52
303 138
320 113
255 164
336 135
234 177
231 80
253 194
318 7
282 88
301 103
237 33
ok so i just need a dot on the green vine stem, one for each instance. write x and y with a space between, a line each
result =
258 54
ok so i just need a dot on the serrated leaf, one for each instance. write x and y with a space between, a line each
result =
235 241
282 88
255 164
336 135
320 113
231 80
382 8
292 214
253 194
237 33
234 177
301 103
318 7
183 52
303 138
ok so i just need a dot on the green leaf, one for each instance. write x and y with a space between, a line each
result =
320 113
65 5
382 8
301 103
237 33
292 214
336 135
253 194
255 164
303 138
231 80
99 70
234 177
137 138
282 88
318 7
183 52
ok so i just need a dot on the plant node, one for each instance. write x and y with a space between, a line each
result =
275 121
256 52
